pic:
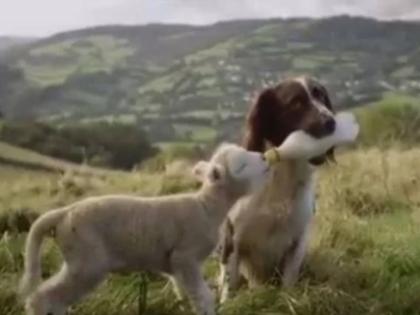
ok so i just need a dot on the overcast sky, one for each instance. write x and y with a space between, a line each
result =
45 17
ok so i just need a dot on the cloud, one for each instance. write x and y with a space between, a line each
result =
44 17
224 9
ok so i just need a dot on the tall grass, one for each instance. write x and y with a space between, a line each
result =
364 253
364 256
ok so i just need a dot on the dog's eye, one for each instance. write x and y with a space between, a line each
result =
316 92
296 103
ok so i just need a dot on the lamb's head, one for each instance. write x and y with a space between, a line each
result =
233 169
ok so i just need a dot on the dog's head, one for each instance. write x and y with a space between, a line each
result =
294 104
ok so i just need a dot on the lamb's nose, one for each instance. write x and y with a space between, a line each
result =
330 125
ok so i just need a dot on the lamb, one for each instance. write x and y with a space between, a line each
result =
171 234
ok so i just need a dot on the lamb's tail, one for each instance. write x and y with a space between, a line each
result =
32 269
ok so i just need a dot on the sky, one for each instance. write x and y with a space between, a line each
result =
46 17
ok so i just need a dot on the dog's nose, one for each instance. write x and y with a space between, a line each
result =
330 125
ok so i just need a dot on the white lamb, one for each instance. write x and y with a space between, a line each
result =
171 234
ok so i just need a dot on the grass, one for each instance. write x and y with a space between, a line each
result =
218 51
161 84
12 155
198 134
118 118
193 133
404 72
305 63
394 118
86 55
392 99
268 29
299 46
45 75
203 113
363 258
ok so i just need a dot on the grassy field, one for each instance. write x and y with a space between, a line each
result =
95 53
364 256
16 156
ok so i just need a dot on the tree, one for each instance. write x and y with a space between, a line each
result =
114 145
10 79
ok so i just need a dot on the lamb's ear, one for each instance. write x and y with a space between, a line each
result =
215 173
200 170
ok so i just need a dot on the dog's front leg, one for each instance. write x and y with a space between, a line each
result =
231 276
293 260
229 263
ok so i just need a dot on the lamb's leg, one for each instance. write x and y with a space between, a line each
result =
188 277
63 289
172 286
176 289
293 261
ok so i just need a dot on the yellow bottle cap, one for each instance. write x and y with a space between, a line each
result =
272 156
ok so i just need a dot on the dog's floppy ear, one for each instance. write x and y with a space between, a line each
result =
330 156
208 171
327 98
258 118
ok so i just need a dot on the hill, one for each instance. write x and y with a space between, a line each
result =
8 42
104 145
189 83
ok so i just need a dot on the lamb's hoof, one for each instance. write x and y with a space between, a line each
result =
181 305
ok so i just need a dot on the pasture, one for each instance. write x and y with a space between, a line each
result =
107 96
364 256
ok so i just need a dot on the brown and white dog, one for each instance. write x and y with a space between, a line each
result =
266 233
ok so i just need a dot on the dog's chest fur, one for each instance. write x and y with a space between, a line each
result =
268 224
303 196
288 198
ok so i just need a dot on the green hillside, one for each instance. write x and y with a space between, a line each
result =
9 42
189 83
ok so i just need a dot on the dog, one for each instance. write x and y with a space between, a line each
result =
266 234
